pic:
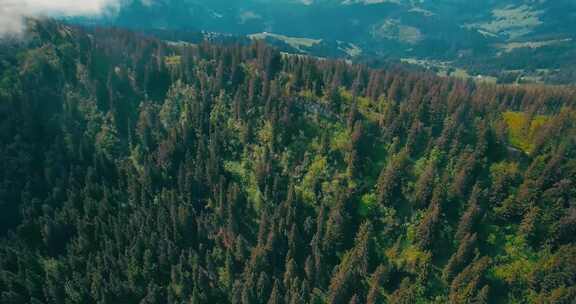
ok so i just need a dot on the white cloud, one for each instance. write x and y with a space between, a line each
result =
13 12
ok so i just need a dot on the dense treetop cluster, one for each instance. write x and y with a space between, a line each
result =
138 171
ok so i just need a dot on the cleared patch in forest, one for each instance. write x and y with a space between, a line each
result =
510 21
511 46
295 42
173 61
522 129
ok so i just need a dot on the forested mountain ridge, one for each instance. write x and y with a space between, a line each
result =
510 40
137 171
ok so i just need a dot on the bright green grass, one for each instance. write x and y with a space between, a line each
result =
173 61
521 132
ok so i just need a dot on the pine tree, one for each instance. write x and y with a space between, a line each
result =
427 229
377 280
391 178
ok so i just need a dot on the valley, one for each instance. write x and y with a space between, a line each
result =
483 39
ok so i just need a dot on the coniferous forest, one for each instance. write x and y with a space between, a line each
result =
138 171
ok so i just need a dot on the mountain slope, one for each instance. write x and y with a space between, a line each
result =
133 170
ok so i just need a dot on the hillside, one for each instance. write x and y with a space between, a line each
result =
512 40
133 170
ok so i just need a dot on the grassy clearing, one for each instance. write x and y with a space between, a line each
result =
298 43
522 129
173 61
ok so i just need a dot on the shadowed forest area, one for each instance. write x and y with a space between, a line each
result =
136 171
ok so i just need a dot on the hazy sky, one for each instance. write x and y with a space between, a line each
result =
12 12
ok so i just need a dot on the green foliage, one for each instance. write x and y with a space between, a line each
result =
368 204
107 141
516 262
340 140
178 98
522 129
244 176
315 176
248 180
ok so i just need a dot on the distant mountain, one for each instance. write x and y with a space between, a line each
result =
528 38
